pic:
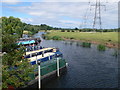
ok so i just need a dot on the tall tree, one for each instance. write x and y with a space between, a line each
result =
15 70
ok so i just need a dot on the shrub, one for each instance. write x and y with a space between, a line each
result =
62 30
80 30
46 37
72 38
101 47
56 38
73 30
85 44
68 30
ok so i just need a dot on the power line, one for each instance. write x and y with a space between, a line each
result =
85 17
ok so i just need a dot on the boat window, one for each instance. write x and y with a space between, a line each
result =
40 47
44 59
36 47
59 55
39 53
34 54
27 56
54 50
45 51
29 48
50 50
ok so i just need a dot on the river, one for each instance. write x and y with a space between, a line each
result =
87 67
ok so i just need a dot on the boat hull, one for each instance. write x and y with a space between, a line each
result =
48 71
47 77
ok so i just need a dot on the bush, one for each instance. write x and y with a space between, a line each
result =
62 30
72 38
46 37
101 47
68 30
73 30
85 44
80 30
56 38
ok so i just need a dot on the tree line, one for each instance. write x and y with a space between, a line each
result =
14 25
89 30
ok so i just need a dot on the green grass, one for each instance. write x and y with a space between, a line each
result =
28 32
111 37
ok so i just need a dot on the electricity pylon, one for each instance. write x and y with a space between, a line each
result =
97 16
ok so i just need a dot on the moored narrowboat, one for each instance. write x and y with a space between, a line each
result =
51 59
48 57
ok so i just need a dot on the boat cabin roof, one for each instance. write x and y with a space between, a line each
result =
40 56
26 42
40 50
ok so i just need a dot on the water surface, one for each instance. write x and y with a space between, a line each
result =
88 67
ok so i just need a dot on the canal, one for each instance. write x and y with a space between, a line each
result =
88 67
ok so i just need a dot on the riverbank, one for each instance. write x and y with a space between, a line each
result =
109 39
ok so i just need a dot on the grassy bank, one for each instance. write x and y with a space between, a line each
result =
28 33
108 38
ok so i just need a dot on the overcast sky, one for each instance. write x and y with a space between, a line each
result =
61 13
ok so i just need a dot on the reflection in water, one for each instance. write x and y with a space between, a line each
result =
116 53
88 68
78 44
71 43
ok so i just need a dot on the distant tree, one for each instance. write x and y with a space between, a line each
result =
76 28
73 30
62 30
80 30
68 30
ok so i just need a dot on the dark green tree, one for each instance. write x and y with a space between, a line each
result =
15 70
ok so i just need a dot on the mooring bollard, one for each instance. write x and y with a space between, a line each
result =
58 73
